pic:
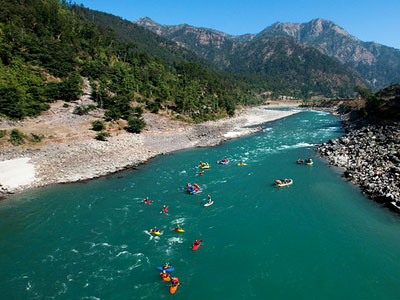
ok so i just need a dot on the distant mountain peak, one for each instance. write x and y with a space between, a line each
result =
146 21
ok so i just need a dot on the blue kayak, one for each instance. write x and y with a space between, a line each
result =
166 270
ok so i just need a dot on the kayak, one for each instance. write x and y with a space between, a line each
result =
166 278
242 164
155 232
164 210
208 204
195 247
309 163
207 166
300 161
286 182
174 287
169 269
178 229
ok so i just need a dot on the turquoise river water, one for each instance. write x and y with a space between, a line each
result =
317 239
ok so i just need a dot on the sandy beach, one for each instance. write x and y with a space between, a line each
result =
85 158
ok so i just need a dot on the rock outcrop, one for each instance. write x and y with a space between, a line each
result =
370 157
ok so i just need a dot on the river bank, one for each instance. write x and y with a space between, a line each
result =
86 158
370 157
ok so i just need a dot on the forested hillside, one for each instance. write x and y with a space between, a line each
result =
47 46
279 65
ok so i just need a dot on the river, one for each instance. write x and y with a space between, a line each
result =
320 238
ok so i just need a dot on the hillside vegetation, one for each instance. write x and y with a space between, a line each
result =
278 64
47 46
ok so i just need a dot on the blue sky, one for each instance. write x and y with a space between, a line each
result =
368 20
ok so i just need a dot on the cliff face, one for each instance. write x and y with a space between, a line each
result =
378 64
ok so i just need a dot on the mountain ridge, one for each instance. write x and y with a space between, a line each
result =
231 54
377 64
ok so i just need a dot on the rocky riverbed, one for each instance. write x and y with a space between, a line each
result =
370 157
71 160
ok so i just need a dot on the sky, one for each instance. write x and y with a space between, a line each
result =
369 20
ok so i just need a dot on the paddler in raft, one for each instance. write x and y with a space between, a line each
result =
196 187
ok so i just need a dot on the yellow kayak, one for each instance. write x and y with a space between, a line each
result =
178 229
242 164
155 232
309 163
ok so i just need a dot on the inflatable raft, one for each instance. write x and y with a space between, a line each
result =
284 182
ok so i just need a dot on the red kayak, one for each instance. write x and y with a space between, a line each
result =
196 245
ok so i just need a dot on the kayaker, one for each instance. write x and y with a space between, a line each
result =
177 226
164 274
166 265
165 209
197 242
147 200
155 229
174 281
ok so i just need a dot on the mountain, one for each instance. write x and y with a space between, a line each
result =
379 65
280 64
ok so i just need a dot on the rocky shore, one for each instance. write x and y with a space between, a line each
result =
86 158
370 157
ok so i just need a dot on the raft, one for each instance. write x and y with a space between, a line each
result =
280 183
205 166
196 192
223 162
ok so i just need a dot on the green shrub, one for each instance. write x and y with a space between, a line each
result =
17 137
3 133
98 125
112 114
36 138
65 105
83 110
102 136
135 125
153 107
